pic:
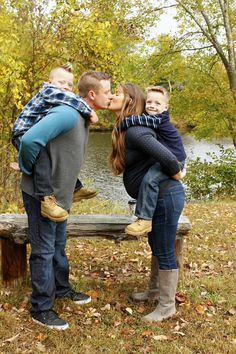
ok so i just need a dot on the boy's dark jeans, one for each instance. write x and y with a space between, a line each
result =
149 190
42 172
42 175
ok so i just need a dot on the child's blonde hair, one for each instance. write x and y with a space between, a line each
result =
67 67
160 89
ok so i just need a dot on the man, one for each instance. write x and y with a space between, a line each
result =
48 262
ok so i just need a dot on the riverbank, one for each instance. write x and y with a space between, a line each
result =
111 323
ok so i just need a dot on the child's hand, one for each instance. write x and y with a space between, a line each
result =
15 166
93 118
180 175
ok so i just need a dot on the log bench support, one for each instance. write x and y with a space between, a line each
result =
13 262
14 237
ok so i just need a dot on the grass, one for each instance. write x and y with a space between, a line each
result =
112 323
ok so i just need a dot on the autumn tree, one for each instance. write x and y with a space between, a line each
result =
208 28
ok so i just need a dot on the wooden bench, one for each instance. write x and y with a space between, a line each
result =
14 229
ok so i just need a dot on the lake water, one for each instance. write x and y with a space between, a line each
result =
96 169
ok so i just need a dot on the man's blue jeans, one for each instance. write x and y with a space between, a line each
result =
48 262
165 222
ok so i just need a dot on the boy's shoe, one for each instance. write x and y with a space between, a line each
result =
51 210
78 298
139 227
49 319
83 193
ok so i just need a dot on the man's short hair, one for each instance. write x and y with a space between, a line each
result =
161 90
90 80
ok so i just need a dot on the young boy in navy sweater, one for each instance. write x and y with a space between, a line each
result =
157 118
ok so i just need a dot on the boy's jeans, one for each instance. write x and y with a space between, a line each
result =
48 262
149 190
42 172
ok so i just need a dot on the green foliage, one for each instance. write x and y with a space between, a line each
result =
211 179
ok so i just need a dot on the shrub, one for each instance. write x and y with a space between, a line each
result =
214 178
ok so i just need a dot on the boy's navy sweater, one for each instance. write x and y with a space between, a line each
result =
166 133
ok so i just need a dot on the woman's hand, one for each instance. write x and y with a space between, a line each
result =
180 175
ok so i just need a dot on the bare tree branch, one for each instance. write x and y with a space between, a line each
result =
164 7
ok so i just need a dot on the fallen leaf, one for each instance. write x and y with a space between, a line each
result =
200 309
141 309
183 320
24 303
106 307
179 333
41 336
177 327
129 310
212 309
7 306
116 323
160 337
93 294
40 347
180 297
232 311
147 333
9 340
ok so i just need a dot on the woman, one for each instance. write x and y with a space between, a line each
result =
133 153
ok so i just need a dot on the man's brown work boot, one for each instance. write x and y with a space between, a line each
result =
83 193
51 210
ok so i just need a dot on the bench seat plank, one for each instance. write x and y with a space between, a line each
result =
14 237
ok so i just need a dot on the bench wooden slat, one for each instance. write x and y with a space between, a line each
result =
14 226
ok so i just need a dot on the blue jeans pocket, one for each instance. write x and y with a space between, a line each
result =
178 201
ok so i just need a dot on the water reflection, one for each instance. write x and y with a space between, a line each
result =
96 169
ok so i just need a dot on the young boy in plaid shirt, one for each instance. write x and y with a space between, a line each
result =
57 91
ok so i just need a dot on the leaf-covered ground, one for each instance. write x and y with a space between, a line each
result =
112 323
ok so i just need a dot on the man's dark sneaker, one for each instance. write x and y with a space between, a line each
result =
49 319
78 298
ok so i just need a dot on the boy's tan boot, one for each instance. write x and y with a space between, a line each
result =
139 227
51 210
152 293
83 193
168 280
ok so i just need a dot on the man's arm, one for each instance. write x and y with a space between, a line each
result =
145 120
59 120
55 96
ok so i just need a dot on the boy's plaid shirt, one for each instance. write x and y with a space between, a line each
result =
145 120
48 97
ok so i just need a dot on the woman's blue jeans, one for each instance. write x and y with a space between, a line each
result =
165 222
48 262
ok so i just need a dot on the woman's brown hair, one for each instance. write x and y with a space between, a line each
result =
134 103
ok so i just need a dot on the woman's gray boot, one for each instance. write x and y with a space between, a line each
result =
152 293
168 280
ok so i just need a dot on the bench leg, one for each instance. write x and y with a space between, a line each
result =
179 243
13 262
